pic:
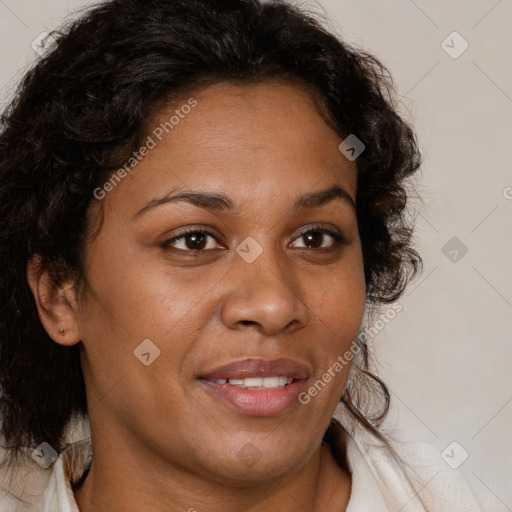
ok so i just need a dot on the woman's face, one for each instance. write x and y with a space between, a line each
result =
262 291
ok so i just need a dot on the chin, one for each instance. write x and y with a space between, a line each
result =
255 462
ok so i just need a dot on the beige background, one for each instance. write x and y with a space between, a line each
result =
447 356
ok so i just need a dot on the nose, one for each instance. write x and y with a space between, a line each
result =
265 294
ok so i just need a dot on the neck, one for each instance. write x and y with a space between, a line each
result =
114 482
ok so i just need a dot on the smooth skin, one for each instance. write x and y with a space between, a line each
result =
162 441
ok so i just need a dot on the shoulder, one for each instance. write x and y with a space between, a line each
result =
24 484
412 477
417 478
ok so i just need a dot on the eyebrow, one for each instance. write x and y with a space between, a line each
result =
220 203
321 197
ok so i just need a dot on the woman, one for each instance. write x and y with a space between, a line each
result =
203 208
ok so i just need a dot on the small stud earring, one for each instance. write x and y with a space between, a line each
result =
62 331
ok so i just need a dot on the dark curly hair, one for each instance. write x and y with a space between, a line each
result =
82 110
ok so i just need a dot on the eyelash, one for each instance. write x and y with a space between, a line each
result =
339 240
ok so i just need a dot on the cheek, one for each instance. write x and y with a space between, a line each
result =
340 304
338 298
130 301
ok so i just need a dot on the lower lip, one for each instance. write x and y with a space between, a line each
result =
267 402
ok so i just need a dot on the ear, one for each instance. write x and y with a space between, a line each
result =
56 305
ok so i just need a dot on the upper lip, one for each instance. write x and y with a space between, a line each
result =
257 367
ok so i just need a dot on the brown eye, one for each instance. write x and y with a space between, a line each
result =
196 241
193 240
315 238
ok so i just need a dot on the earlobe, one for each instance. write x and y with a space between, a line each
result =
56 305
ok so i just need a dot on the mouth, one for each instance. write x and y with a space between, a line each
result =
257 387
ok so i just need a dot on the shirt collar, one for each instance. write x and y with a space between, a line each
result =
67 470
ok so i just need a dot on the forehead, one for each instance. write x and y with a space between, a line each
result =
248 141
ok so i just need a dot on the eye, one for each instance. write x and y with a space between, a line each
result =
200 240
191 240
315 238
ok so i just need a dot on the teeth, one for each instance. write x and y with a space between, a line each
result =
253 382
259 382
272 382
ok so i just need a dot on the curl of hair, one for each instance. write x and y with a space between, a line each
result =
82 110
